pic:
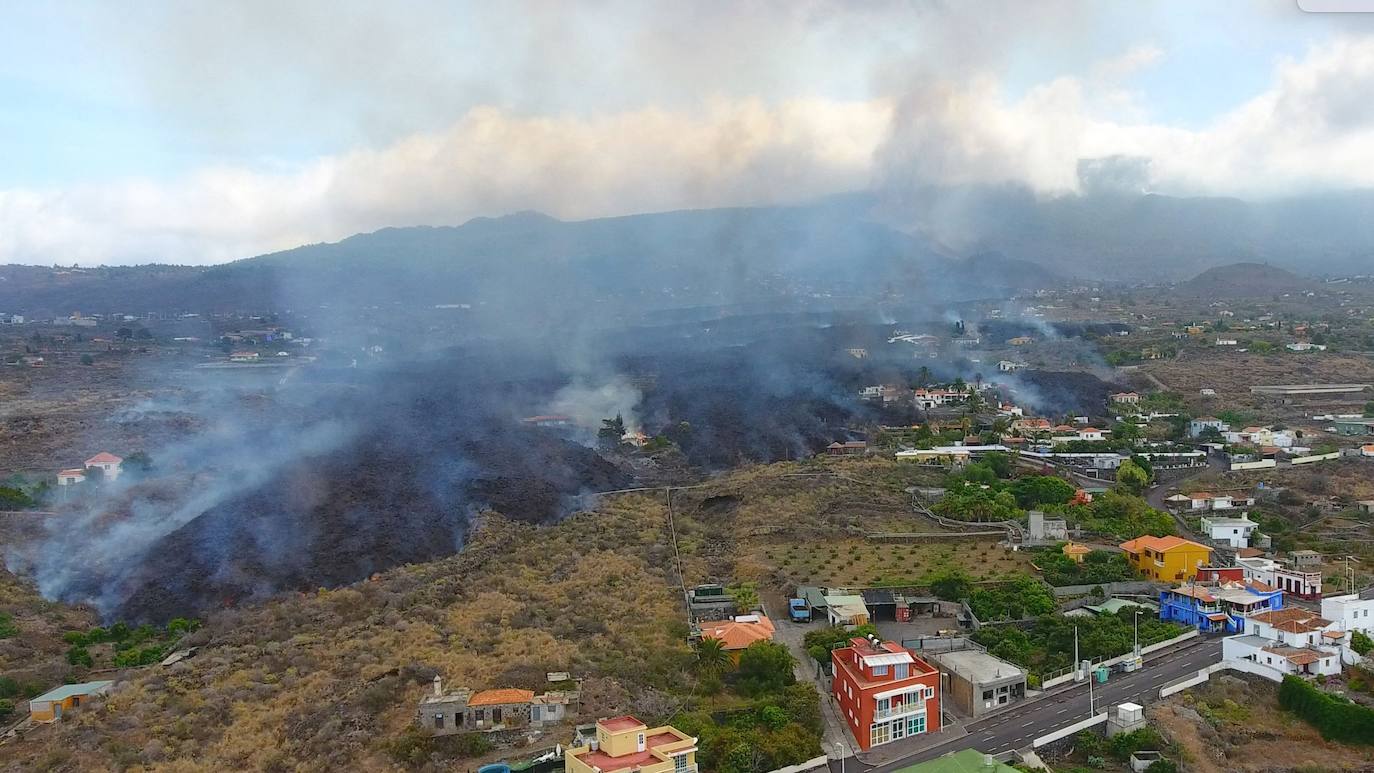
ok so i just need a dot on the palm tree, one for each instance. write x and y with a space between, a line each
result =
712 657
746 598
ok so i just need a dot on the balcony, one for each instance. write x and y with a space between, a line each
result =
917 707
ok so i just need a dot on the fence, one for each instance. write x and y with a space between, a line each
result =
943 644
1063 675
1315 458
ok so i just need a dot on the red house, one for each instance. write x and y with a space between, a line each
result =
884 691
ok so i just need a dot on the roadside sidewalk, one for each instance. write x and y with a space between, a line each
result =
898 750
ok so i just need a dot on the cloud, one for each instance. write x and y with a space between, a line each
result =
490 162
744 108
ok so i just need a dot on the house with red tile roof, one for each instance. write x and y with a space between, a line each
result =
1289 641
737 634
627 744
107 463
1166 559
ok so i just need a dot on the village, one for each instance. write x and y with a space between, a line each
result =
1098 562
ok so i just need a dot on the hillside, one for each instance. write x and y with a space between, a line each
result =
328 680
1244 280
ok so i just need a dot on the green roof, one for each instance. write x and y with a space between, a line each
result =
68 690
966 761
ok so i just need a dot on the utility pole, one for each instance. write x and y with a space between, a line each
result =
839 750
1137 633
1092 706
1077 664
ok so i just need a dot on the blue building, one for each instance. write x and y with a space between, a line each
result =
1218 607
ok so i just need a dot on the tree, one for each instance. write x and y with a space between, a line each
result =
765 667
87 359
1361 643
1039 490
138 461
612 430
953 585
124 333
746 597
712 658
1210 435
1369 410
1131 478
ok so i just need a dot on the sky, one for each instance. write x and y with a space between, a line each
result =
198 133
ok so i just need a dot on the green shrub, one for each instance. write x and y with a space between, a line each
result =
1361 643
1337 719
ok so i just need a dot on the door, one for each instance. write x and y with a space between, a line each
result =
496 716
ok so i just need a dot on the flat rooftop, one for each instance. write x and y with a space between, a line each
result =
977 666
1297 389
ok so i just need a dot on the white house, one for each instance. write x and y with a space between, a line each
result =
71 477
1295 582
1009 366
1304 346
929 398
1226 342
1231 531
1196 426
1288 641
1261 436
1351 612
1125 398
1207 392
107 462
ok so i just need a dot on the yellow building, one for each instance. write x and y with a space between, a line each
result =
625 743
1076 552
1167 559
50 706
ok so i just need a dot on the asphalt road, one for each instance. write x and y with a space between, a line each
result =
1016 727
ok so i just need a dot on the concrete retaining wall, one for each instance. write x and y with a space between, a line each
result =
1126 586
1065 732
1315 458
1260 465
1244 666
811 764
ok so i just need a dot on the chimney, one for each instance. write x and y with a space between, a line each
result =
438 686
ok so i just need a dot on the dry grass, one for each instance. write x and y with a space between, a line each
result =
1232 725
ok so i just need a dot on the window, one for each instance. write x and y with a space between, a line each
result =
898 729
882 705
916 725
879 734
901 671
679 763
534 713
880 670
439 721
987 694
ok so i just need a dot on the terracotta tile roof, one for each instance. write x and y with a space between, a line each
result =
77 471
736 635
497 697
1292 620
1300 657
1200 594
1161 544
1075 548
104 458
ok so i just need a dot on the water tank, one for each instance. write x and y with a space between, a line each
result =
495 767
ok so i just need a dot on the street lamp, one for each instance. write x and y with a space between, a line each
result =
839 752
1137 633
